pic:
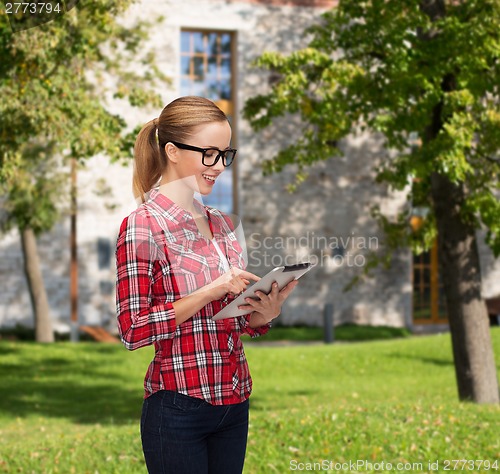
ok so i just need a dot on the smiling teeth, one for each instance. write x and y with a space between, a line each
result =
211 178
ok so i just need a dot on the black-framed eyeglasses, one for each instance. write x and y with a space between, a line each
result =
210 156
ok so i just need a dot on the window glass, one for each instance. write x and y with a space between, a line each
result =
185 43
225 43
185 63
212 43
225 67
198 42
198 68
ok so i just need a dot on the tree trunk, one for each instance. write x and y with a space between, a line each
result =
459 263
469 323
39 302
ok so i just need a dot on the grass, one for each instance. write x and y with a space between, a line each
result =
75 408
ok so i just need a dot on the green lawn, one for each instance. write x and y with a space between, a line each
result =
75 408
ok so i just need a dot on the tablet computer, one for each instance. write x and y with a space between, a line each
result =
281 275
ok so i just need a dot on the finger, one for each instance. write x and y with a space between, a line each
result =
264 296
291 284
274 293
250 304
237 285
241 284
285 292
236 288
274 289
247 275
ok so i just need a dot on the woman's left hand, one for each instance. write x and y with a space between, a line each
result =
268 306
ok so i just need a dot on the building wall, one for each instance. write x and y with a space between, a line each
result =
490 269
327 220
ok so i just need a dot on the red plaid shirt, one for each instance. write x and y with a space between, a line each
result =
161 257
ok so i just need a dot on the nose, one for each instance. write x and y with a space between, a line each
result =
219 166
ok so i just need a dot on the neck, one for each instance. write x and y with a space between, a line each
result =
179 192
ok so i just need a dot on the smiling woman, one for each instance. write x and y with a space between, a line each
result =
178 263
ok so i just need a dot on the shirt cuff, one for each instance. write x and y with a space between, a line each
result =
151 325
252 332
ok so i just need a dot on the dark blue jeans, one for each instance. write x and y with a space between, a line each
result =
186 435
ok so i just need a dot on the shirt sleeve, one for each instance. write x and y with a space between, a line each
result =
244 323
141 319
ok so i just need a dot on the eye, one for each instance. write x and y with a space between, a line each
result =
211 153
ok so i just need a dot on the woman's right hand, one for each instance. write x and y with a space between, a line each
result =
234 281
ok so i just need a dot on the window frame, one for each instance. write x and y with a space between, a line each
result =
437 312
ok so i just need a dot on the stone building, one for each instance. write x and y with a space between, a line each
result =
207 48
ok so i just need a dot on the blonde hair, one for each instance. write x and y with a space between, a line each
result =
176 122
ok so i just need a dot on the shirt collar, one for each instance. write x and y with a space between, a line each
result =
172 210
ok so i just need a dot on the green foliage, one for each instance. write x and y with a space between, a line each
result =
428 86
343 332
55 79
76 407
32 185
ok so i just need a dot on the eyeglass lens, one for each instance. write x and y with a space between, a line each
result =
211 156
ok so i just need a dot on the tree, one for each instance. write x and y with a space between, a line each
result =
54 110
424 68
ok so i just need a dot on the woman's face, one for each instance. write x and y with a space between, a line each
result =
188 163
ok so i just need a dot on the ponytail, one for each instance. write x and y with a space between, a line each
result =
149 160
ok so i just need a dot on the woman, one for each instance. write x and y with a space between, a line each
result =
178 264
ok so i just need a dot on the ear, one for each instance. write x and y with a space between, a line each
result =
172 152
